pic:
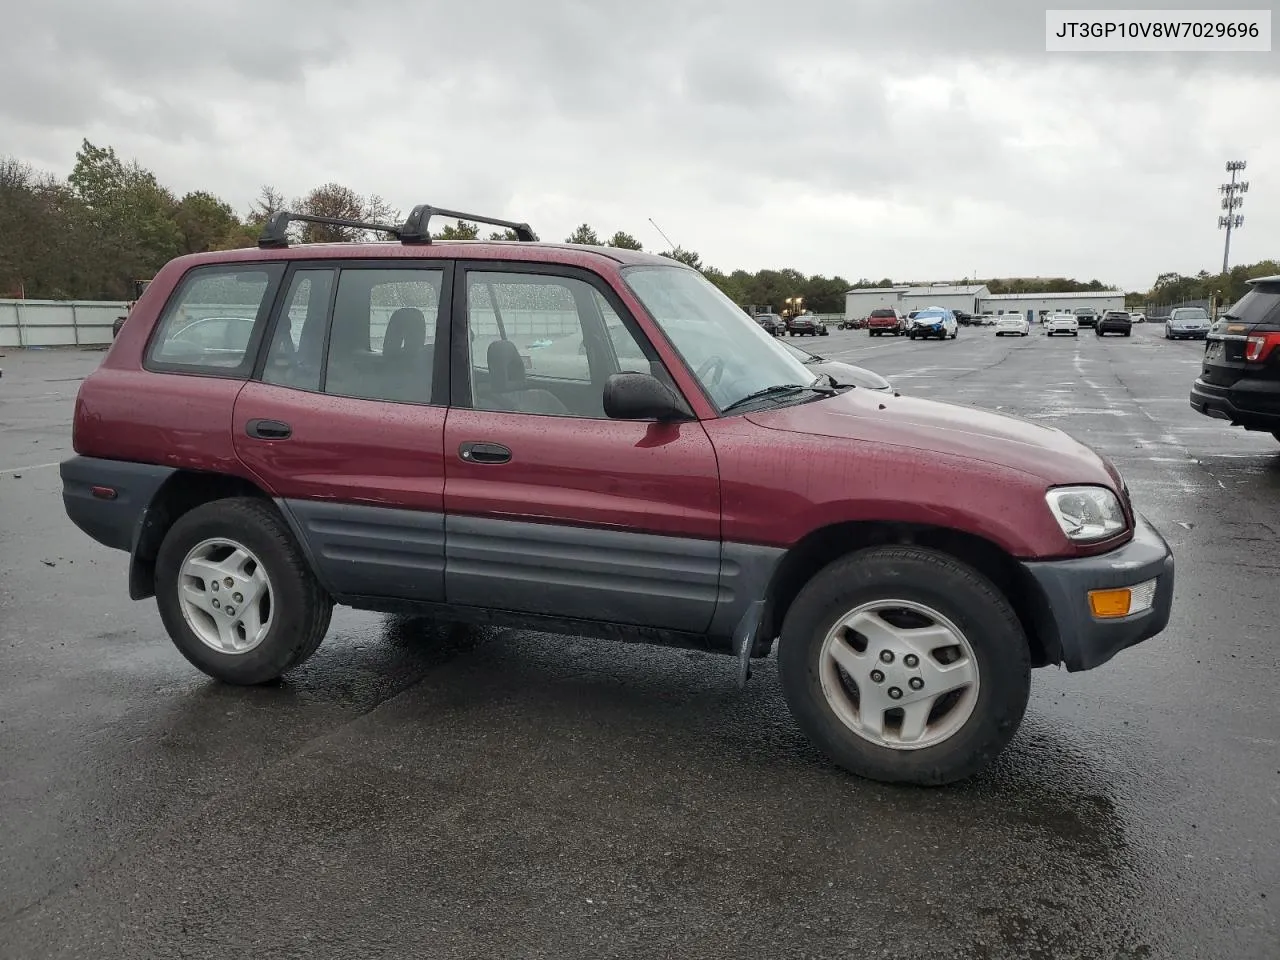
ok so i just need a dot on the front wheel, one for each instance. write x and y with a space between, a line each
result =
236 594
905 665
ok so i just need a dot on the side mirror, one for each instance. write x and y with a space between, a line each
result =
642 396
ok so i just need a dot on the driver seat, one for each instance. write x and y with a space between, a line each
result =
510 388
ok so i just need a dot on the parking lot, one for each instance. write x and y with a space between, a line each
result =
417 791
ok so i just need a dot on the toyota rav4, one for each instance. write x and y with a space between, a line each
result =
593 441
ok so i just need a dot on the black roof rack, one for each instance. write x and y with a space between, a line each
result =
275 232
416 228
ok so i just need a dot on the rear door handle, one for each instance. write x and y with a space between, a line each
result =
477 452
268 430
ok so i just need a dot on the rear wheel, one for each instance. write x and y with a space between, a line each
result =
236 594
905 665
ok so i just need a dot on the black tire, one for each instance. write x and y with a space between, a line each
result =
1128 333
1075 333
955 590
301 607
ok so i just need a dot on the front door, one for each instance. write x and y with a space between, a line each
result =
553 508
345 424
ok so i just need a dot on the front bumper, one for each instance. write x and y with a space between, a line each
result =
1252 403
1085 640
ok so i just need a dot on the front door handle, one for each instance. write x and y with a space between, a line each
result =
476 452
268 430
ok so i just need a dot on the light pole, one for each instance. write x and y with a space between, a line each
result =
1232 201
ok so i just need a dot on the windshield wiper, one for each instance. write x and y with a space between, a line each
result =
778 388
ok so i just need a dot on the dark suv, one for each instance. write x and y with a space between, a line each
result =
1115 321
772 322
594 441
1240 379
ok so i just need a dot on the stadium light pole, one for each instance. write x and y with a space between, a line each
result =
1232 200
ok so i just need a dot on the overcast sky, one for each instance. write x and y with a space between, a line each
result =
917 140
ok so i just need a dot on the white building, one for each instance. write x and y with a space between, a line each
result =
975 298
963 298
858 304
1033 306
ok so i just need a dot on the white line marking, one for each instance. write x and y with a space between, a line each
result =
34 466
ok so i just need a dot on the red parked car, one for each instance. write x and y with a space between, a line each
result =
886 320
595 441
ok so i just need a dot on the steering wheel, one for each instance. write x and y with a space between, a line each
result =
714 362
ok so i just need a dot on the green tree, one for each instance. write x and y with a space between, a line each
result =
584 235
204 221
503 235
687 257
625 241
462 230
131 215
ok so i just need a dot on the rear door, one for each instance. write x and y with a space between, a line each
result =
344 422
553 508
1245 340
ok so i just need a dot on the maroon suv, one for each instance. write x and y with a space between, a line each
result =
594 441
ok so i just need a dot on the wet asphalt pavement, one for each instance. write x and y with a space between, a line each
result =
413 791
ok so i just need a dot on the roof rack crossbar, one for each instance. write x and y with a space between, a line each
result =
275 231
417 226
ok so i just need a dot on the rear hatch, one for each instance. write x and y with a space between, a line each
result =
1245 340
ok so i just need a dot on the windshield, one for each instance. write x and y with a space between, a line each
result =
931 315
731 356
802 355
1190 313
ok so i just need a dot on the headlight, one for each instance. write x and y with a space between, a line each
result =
1086 513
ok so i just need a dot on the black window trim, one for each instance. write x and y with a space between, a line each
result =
275 270
460 352
443 322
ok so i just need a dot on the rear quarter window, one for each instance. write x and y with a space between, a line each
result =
213 321
1260 305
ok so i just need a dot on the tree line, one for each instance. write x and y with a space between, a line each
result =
111 222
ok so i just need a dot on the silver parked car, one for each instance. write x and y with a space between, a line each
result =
1187 323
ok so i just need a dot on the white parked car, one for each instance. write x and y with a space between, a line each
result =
1061 323
1138 317
1012 323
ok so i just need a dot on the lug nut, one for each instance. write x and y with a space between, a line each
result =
238 597
895 693
214 586
911 660
216 604
916 683
886 656
231 611
229 582
877 676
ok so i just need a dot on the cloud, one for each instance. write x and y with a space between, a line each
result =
884 137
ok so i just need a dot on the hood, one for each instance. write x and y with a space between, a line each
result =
946 428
